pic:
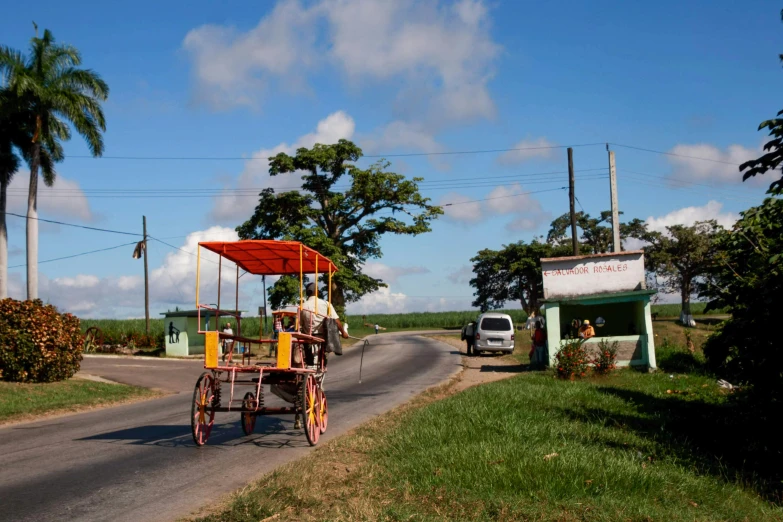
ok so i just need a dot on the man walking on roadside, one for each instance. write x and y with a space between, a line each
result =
469 336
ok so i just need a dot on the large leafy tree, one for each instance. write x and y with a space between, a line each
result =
54 92
680 258
596 233
512 273
747 278
345 226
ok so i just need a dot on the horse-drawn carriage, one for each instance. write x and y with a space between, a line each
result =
295 372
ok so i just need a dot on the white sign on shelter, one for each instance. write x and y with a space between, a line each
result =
593 274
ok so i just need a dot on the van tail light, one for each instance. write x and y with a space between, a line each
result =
478 336
512 337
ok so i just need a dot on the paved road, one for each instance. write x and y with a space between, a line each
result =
138 461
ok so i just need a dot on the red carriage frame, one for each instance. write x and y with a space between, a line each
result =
300 362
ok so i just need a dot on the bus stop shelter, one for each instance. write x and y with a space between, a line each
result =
181 330
609 290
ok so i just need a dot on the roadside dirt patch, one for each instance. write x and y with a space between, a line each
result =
481 369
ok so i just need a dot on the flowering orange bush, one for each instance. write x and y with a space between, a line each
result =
37 343
605 359
572 359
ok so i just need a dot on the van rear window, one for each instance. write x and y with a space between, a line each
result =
496 324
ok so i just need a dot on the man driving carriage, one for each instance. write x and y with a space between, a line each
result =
315 311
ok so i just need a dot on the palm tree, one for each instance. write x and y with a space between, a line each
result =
9 164
16 133
53 90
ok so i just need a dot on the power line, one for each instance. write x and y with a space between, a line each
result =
210 192
675 154
78 255
398 155
76 226
499 197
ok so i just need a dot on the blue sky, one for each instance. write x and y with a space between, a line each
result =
235 81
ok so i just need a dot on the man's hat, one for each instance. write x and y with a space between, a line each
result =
310 287
586 322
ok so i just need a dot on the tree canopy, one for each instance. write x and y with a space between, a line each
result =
747 278
345 226
53 94
681 257
512 273
596 233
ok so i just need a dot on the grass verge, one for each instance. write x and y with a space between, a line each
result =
20 401
629 446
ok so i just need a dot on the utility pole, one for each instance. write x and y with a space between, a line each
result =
146 280
616 244
571 196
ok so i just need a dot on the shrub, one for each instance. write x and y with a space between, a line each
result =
572 359
605 359
38 344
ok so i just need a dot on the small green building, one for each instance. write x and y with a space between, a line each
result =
609 291
181 330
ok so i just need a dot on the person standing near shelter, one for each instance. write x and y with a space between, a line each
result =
538 350
469 336
586 331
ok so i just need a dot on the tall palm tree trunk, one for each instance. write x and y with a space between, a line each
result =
3 240
32 221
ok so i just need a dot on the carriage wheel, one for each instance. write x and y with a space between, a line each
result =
323 410
248 418
93 339
310 410
202 412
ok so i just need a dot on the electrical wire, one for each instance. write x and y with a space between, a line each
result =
213 192
674 154
78 255
76 226
398 155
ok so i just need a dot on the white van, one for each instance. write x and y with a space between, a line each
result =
494 333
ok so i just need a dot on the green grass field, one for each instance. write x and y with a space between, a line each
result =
669 446
251 326
19 400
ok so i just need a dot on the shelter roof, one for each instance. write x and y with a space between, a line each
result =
271 257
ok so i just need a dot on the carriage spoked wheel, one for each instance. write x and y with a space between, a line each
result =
248 417
311 409
202 412
323 410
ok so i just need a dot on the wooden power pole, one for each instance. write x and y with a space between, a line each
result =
146 281
616 244
571 197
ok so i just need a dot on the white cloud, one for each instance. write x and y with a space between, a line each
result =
404 135
503 200
390 274
690 215
684 216
529 149
172 283
461 208
716 166
233 68
425 42
233 207
444 51
64 198
462 275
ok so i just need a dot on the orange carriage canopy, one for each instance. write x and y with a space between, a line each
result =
270 257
